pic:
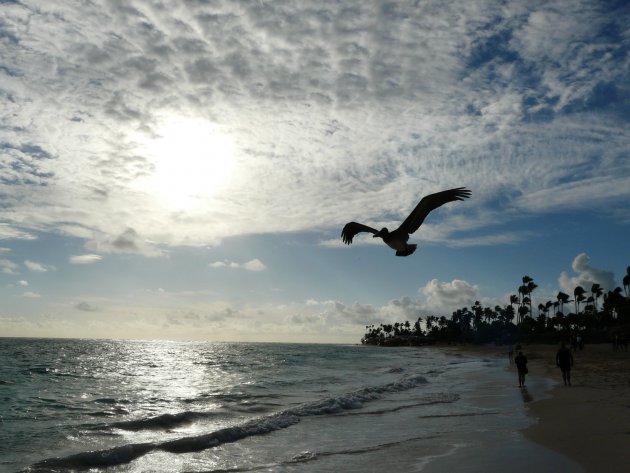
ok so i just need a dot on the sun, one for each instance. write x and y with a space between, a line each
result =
192 160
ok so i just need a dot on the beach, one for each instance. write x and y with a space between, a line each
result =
588 421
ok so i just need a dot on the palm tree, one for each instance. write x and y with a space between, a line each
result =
549 305
578 293
513 300
417 327
531 286
626 281
489 314
508 314
522 292
597 292
522 312
562 299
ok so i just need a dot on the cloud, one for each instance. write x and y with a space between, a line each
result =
446 296
184 318
586 276
86 307
203 317
331 313
31 295
22 283
8 267
127 241
223 314
516 101
218 264
85 259
10 233
356 313
254 265
37 267
251 265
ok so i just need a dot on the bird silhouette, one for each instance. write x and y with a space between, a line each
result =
398 238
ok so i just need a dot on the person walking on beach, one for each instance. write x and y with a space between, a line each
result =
564 359
521 366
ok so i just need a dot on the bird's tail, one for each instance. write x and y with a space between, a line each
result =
407 251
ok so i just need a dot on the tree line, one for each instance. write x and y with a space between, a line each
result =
596 315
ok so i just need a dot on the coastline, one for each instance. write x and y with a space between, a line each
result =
588 422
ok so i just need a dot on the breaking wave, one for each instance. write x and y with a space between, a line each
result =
258 426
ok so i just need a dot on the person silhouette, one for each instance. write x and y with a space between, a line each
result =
521 366
564 359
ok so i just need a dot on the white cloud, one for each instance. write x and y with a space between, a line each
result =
586 276
37 267
8 267
252 265
22 283
31 295
85 259
10 233
446 296
369 113
218 264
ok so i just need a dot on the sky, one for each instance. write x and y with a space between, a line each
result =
182 169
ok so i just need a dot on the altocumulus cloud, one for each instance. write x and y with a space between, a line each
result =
321 103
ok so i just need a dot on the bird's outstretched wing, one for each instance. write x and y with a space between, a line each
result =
429 203
352 228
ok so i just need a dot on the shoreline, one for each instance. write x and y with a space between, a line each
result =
588 422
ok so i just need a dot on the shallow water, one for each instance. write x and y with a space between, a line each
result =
135 406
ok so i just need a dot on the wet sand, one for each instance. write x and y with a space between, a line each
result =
588 422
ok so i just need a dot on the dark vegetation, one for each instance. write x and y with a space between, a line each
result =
594 315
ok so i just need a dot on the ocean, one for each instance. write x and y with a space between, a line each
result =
158 406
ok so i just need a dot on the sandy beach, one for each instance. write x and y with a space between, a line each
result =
588 421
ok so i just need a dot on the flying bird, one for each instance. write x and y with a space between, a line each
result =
399 237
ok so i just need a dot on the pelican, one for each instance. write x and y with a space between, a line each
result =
397 239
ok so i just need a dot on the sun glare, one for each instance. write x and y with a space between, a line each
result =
193 160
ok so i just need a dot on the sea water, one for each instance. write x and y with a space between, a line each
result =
144 406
